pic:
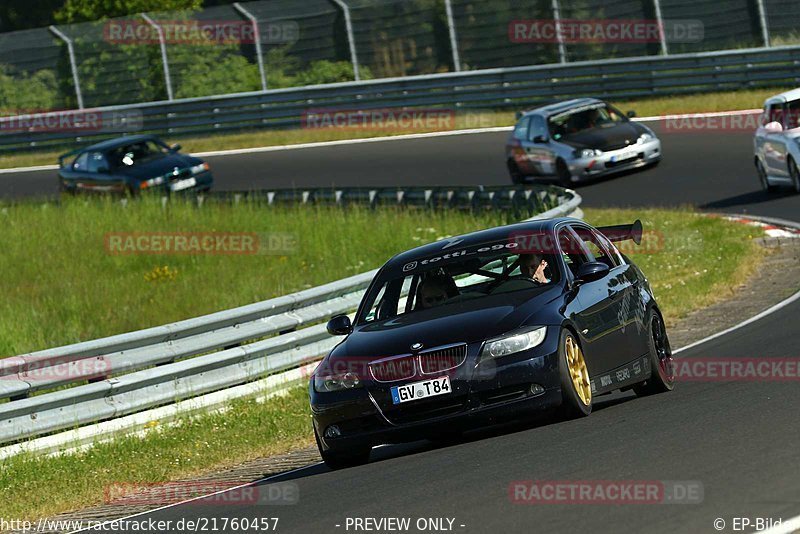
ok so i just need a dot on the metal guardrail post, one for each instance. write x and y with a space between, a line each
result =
451 27
662 33
163 43
562 49
351 39
257 37
72 63
762 17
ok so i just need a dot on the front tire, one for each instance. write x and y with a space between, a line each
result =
563 174
517 178
794 175
662 367
576 387
762 178
342 460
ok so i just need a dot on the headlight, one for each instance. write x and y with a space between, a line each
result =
151 182
328 383
644 138
514 342
197 169
588 153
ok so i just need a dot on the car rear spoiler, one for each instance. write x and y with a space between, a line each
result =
623 232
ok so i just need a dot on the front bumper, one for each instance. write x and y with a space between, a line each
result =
203 182
482 393
631 157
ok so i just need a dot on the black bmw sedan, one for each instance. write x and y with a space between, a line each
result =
502 322
130 165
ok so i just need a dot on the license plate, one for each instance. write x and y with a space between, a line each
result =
623 156
421 390
183 184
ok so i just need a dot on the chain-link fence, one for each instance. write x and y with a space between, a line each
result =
268 44
783 21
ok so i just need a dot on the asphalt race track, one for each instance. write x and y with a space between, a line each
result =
713 171
739 439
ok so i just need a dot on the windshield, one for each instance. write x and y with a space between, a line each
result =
501 268
793 115
137 153
584 119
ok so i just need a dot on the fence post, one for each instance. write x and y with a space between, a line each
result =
257 38
348 24
451 26
661 30
72 63
762 16
562 50
162 42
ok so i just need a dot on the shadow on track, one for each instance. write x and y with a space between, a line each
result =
389 452
745 199
587 182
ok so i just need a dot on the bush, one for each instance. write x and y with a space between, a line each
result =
20 92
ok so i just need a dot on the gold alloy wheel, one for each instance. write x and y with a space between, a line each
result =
577 371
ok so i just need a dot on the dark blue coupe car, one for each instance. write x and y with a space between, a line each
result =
129 165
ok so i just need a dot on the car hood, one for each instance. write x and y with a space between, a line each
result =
468 321
159 167
605 138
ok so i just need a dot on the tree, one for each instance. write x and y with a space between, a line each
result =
24 14
21 93
91 10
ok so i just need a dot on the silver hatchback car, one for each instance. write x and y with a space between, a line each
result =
578 139
777 142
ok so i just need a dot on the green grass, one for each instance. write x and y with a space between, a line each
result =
61 285
695 103
37 487
701 258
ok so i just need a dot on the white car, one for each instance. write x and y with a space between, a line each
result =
777 142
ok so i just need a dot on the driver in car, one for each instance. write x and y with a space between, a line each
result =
533 266
432 292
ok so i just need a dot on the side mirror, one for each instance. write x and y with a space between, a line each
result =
630 113
340 325
175 147
591 271
541 139
773 127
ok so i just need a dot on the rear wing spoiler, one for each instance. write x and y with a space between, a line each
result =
623 232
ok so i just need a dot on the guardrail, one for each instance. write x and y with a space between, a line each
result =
492 88
131 372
